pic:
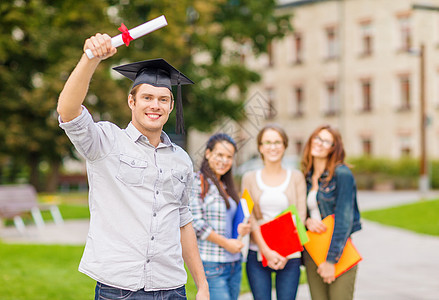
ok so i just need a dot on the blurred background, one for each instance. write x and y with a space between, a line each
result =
368 67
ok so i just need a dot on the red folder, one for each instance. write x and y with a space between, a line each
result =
281 235
318 247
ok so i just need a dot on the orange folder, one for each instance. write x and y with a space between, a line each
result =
281 235
318 247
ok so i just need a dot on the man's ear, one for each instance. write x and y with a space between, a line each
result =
131 101
171 106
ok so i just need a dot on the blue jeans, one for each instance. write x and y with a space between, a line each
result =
259 278
224 279
105 292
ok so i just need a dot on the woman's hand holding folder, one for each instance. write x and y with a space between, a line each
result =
314 225
274 259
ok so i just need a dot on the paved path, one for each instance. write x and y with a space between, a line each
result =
397 264
72 232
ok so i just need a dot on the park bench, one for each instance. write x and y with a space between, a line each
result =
20 200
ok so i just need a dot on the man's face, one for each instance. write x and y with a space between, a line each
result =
150 108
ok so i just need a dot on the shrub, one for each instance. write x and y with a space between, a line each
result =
403 173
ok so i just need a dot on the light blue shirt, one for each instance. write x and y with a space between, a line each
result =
138 201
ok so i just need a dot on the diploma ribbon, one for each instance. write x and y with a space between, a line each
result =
126 37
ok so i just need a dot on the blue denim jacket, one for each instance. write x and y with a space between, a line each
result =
338 197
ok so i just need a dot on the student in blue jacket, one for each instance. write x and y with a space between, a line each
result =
331 190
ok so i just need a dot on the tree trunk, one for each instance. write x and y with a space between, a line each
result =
14 171
53 178
34 176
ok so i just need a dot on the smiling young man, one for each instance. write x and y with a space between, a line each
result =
140 223
152 108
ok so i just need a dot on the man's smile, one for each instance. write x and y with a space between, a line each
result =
153 116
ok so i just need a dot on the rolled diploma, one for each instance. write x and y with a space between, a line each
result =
136 32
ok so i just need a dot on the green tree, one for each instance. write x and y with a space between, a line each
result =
40 42
204 40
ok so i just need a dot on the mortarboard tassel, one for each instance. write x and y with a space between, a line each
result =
179 127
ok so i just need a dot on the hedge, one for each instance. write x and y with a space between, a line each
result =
378 173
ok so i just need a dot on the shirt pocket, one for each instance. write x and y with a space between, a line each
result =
328 192
131 170
179 182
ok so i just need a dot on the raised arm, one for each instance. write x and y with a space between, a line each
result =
73 94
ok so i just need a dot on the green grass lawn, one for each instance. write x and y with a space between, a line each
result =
65 198
51 272
71 205
421 217
42 272
70 211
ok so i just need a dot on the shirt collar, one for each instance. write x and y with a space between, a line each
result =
308 176
135 135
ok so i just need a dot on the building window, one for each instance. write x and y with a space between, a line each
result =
298 48
331 42
366 39
366 94
404 92
298 101
299 146
331 99
271 98
367 146
405 145
405 33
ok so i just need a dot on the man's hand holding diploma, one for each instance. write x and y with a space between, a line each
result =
100 46
132 34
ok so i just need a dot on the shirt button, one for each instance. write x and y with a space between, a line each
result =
133 162
147 261
161 171
157 192
154 214
152 238
181 177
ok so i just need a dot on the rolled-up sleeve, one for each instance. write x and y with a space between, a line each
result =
88 137
185 212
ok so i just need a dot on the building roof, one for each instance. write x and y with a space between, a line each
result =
293 3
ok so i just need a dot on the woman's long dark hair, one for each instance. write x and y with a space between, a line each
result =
335 157
227 178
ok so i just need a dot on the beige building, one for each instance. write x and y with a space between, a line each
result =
354 64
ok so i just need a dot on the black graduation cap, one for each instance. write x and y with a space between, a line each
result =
158 72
